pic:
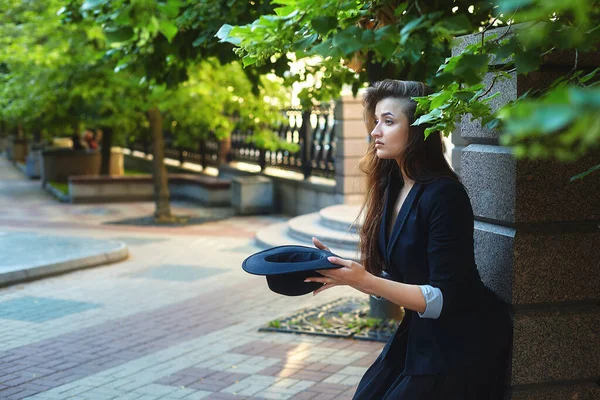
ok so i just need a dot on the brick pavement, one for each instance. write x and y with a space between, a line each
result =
177 320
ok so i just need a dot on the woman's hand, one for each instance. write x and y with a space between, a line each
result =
319 245
352 273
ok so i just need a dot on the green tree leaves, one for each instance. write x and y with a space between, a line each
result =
324 24
359 42
563 124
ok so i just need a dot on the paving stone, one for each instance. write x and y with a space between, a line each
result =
40 309
180 305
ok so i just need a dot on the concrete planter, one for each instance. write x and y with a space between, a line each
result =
59 164
3 143
33 164
117 162
20 149
62 142
252 195
206 190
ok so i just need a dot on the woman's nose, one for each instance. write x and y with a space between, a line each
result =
376 132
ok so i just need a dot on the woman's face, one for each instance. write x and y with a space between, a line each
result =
391 128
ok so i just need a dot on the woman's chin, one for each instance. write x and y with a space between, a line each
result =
383 155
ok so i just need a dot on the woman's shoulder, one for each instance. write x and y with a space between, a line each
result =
443 186
444 194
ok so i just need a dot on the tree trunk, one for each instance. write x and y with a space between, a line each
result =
75 127
107 135
159 171
224 150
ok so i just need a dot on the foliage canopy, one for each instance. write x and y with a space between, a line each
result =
363 41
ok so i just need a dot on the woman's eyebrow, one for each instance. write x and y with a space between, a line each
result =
387 113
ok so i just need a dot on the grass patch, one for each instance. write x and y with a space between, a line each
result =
134 172
346 317
62 187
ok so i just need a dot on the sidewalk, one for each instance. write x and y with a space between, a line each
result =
27 255
178 319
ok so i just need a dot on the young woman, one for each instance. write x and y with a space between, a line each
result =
454 340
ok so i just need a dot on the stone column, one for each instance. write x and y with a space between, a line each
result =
351 145
537 240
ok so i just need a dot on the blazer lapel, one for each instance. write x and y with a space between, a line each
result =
404 211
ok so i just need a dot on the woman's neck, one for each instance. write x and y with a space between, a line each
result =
407 181
405 178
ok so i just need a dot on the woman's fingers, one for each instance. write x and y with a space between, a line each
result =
340 261
324 287
319 279
319 245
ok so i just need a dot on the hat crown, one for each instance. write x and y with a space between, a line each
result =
294 257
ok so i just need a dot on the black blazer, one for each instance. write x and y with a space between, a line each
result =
431 243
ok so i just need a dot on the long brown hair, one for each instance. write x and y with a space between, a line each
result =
422 161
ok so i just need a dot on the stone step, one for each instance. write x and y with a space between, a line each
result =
340 217
304 227
278 235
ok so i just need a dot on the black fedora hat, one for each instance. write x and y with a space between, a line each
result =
286 268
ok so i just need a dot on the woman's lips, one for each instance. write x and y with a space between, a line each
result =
378 143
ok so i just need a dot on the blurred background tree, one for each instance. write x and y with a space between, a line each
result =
160 42
124 66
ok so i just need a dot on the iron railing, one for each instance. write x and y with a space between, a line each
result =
313 131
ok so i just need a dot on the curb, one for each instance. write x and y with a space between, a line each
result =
119 254
60 196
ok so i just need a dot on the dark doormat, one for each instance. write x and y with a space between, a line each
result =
342 318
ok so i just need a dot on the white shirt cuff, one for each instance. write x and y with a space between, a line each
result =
434 301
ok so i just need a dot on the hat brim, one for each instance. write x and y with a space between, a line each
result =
288 259
286 268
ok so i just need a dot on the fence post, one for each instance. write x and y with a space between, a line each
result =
306 140
202 151
262 159
181 156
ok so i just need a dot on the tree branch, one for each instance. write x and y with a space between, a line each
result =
576 61
489 89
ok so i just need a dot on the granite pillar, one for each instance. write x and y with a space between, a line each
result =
537 238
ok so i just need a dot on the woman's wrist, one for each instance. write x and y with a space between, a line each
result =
371 285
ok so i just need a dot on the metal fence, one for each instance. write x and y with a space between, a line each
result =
313 131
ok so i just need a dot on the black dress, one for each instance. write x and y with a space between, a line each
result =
463 354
